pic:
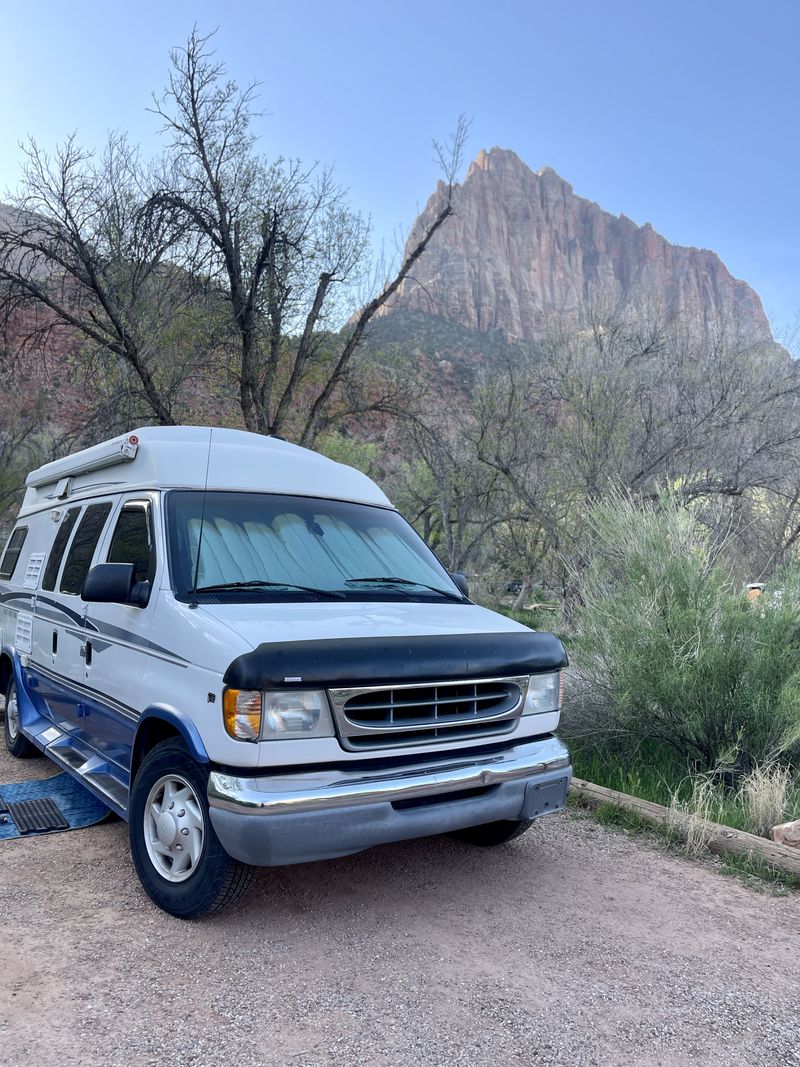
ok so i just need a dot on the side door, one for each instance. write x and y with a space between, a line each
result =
56 676
70 643
122 665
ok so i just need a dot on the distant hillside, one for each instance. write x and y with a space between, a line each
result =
522 248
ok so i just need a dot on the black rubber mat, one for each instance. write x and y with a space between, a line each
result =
37 816
75 803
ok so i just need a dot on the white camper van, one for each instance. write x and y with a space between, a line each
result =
244 650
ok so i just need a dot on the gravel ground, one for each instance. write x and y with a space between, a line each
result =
573 945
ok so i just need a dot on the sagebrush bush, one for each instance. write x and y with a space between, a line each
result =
764 793
690 821
670 650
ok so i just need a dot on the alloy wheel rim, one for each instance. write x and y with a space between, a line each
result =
174 828
12 714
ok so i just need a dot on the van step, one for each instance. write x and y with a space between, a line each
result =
111 788
97 774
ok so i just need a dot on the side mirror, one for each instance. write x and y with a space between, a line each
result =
460 581
115 583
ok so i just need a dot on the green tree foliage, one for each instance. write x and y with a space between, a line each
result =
348 450
671 651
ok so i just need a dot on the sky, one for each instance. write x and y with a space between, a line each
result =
682 114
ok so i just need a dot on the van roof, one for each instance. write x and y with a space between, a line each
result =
191 457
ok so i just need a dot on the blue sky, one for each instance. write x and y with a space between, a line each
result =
683 114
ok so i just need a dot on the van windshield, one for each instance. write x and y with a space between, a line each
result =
274 547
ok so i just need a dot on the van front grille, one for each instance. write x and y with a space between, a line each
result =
390 716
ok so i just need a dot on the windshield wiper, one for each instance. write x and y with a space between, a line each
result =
259 584
390 580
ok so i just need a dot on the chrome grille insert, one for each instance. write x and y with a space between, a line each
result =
415 714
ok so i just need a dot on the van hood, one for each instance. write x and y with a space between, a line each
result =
258 624
319 645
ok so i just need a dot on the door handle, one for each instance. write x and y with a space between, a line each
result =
88 648
55 642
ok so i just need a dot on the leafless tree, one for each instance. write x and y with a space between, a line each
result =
281 242
630 400
81 265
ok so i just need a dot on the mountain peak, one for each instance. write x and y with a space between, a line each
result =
495 159
522 249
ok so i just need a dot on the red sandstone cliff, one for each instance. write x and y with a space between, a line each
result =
522 247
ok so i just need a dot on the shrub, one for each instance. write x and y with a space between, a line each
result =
765 792
670 651
690 821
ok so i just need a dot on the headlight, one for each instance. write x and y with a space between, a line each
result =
241 712
294 713
544 693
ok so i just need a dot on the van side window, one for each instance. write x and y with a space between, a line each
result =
57 551
133 541
13 549
82 548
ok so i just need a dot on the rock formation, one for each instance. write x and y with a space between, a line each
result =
523 248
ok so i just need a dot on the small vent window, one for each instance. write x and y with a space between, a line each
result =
82 548
13 549
57 551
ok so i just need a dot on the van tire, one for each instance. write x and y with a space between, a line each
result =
493 833
16 743
216 880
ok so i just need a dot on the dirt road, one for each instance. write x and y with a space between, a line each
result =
573 945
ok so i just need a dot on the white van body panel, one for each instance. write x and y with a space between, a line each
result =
93 672
330 620
198 457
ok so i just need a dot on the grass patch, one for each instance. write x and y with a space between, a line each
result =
660 777
653 779
759 874
621 819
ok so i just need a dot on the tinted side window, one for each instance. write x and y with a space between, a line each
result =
13 549
82 548
133 543
57 551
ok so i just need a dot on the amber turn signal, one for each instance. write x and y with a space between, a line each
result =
241 712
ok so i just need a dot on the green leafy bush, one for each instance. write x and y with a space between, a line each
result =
671 652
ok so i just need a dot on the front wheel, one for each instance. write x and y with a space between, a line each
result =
16 743
493 833
178 857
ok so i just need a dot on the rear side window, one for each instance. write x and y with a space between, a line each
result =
133 541
82 548
57 551
13 549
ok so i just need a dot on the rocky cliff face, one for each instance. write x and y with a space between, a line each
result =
523 248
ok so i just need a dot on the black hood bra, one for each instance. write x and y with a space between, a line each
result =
383 660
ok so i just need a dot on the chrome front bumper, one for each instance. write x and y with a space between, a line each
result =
293 818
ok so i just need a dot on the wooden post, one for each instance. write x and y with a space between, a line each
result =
722 840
